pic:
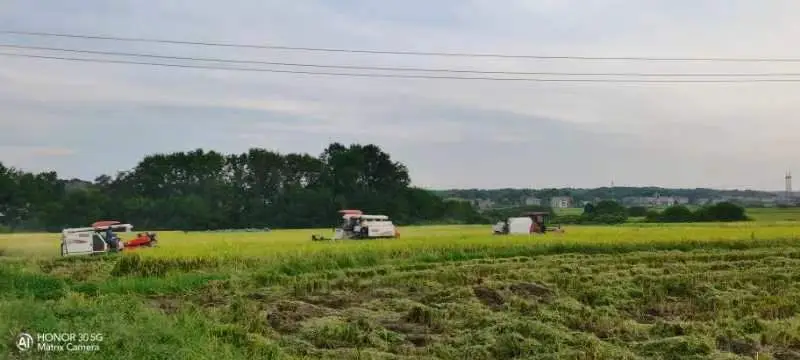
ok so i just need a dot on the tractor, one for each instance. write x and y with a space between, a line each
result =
528 223
358 226
95 239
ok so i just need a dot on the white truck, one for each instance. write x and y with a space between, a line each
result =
357 225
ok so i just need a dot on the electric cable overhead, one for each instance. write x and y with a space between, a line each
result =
398 75
381 68
414 53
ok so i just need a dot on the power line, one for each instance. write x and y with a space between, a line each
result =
393 75
415 53
381 68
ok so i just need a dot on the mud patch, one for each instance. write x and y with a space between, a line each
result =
738 346
417 335
452 295
489 297
531 290
418 326
257 296
167 305
668 311
786 355
418 340
287 315
215 293
404 327
336 300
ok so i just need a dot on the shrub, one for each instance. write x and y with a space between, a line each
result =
726 211
677 213
609 207
652 216
609 219
723 212
569 219
637 211
604 212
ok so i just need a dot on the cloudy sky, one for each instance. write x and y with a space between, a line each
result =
86 119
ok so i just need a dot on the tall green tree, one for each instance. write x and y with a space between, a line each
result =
199 189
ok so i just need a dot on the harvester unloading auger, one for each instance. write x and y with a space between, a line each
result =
356 225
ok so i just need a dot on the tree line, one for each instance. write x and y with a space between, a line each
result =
611 212
722 212
516 197
208 190
203 190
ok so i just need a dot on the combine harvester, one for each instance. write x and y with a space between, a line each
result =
528 223
94 239
358 226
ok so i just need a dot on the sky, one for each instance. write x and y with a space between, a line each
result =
88 119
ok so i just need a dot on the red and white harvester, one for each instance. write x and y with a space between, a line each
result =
357 225
101 238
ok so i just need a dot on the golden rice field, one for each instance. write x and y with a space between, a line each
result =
280 243
634 291
768 224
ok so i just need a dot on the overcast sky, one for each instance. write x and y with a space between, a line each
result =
85 119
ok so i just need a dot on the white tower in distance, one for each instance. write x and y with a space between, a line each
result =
788 185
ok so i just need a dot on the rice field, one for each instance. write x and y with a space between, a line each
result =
635 291
413 240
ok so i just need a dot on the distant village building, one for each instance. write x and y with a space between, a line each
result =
633 201
672 200
655 201
560 202
532 201
484 204
787 199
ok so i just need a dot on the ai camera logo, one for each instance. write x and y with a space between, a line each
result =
24 342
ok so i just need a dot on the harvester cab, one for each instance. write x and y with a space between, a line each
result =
539 221
357 225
